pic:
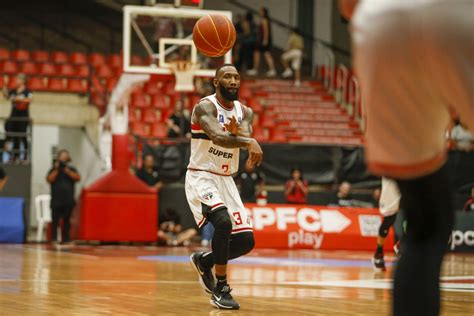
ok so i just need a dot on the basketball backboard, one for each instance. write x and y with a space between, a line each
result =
155 36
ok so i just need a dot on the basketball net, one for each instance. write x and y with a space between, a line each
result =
183 71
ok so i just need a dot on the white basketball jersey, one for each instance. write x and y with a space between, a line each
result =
207 156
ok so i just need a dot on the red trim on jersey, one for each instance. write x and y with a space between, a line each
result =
218 204
201 222
239 230
217 174
196 127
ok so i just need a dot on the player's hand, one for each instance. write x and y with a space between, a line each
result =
255 153
232 126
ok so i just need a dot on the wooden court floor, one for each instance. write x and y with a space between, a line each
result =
126 280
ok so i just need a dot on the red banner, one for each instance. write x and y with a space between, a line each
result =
288 226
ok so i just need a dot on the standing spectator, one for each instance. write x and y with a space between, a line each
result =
3 178
462 139
294 56
19 116
250 183
296 189
469 205
149 173
62 178
178 124
247 42
264 45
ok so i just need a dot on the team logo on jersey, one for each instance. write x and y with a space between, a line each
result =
207 196
221 118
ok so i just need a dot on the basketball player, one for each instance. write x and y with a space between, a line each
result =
388 206
413 58
221 126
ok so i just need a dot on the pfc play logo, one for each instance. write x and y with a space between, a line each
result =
305 226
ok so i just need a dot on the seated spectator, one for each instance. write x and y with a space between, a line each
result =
3 178
250 183
343 196
296 189
461 138
207 233
179 124
149 173
376 197
171 232
469 205
293 56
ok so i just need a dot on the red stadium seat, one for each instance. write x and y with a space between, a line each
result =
40 56
151 87
67 70
9 67
134 115
103 71
138 100
59 57
260 134
279 136
115 60
117 71
149 116
29 68
4 54
55 84
159 101
11 84
96 59
83 71
21 55
78 58
98 99
268 122
76 86
36 84
141 129
48 69
159 130
96 85
111 83
136 61
2 82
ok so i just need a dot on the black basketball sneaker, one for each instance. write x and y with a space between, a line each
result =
222 299
379 262
206 278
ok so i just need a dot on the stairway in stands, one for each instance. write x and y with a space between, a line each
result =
305 114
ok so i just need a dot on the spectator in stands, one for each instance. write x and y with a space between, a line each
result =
18 121
343 196
250 183
179 124
62 178
149 173
3 178
296 189
171 232
293 56
247 42
7 151
461 138
469 205
264 45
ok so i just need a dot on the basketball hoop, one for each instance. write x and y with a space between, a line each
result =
183 71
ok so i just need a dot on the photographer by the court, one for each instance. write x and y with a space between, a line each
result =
62 178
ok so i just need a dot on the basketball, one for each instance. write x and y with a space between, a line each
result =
214 35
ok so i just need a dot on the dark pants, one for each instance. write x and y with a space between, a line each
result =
64 212
246 56
18 127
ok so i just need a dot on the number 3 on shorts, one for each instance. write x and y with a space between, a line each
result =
238 218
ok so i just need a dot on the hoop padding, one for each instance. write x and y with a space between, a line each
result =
184 75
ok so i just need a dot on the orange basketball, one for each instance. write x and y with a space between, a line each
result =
214 35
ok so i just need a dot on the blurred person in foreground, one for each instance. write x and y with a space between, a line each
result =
62 178
407 115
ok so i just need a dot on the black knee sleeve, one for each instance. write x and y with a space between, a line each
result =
387 222
220 242
241 244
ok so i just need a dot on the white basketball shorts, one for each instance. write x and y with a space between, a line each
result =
389 198
207 192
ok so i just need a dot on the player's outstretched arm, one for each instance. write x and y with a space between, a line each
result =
205 114
246 129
